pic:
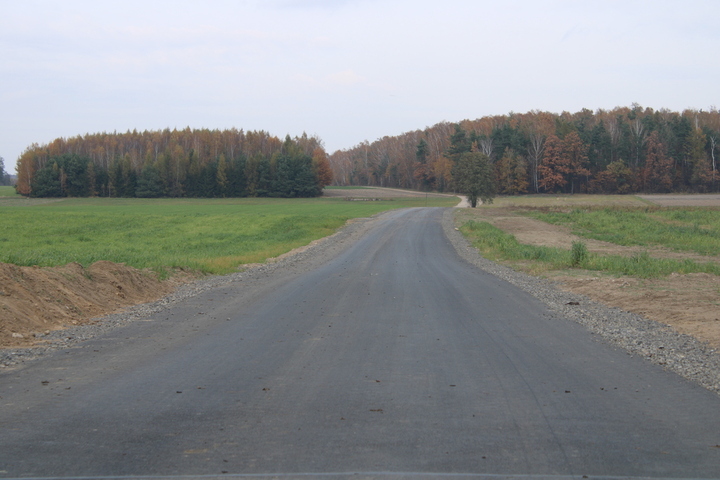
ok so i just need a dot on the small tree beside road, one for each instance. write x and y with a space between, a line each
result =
473 176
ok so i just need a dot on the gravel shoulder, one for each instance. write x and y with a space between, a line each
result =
638 336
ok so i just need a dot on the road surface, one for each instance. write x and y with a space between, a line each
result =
395 359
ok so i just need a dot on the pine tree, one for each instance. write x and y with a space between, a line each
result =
46 182
149 184
459 143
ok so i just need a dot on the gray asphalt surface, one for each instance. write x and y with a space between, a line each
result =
394 359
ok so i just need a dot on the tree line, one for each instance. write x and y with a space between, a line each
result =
175 163
5 178
624 150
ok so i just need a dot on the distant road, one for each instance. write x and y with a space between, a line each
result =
394 359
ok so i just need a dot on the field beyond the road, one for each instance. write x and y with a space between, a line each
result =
209 235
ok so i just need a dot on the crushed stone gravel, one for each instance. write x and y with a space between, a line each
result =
638 336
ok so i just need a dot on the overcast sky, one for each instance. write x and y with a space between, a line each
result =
346 70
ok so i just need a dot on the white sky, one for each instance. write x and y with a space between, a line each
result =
346 70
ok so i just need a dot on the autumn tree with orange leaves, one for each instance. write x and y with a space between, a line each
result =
321 166
564 163
657 175
512 175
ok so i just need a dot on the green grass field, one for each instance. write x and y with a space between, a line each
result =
495 244
6 191
622 219
679 228
210 235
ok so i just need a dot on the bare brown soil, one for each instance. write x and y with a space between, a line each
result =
688 303
36 300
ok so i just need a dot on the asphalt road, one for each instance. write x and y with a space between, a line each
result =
395 359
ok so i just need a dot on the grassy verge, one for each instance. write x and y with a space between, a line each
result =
495 244
210 235
683 229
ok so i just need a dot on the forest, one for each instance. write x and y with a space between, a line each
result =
175 163
624 150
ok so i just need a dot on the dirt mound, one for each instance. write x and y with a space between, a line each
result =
34 299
